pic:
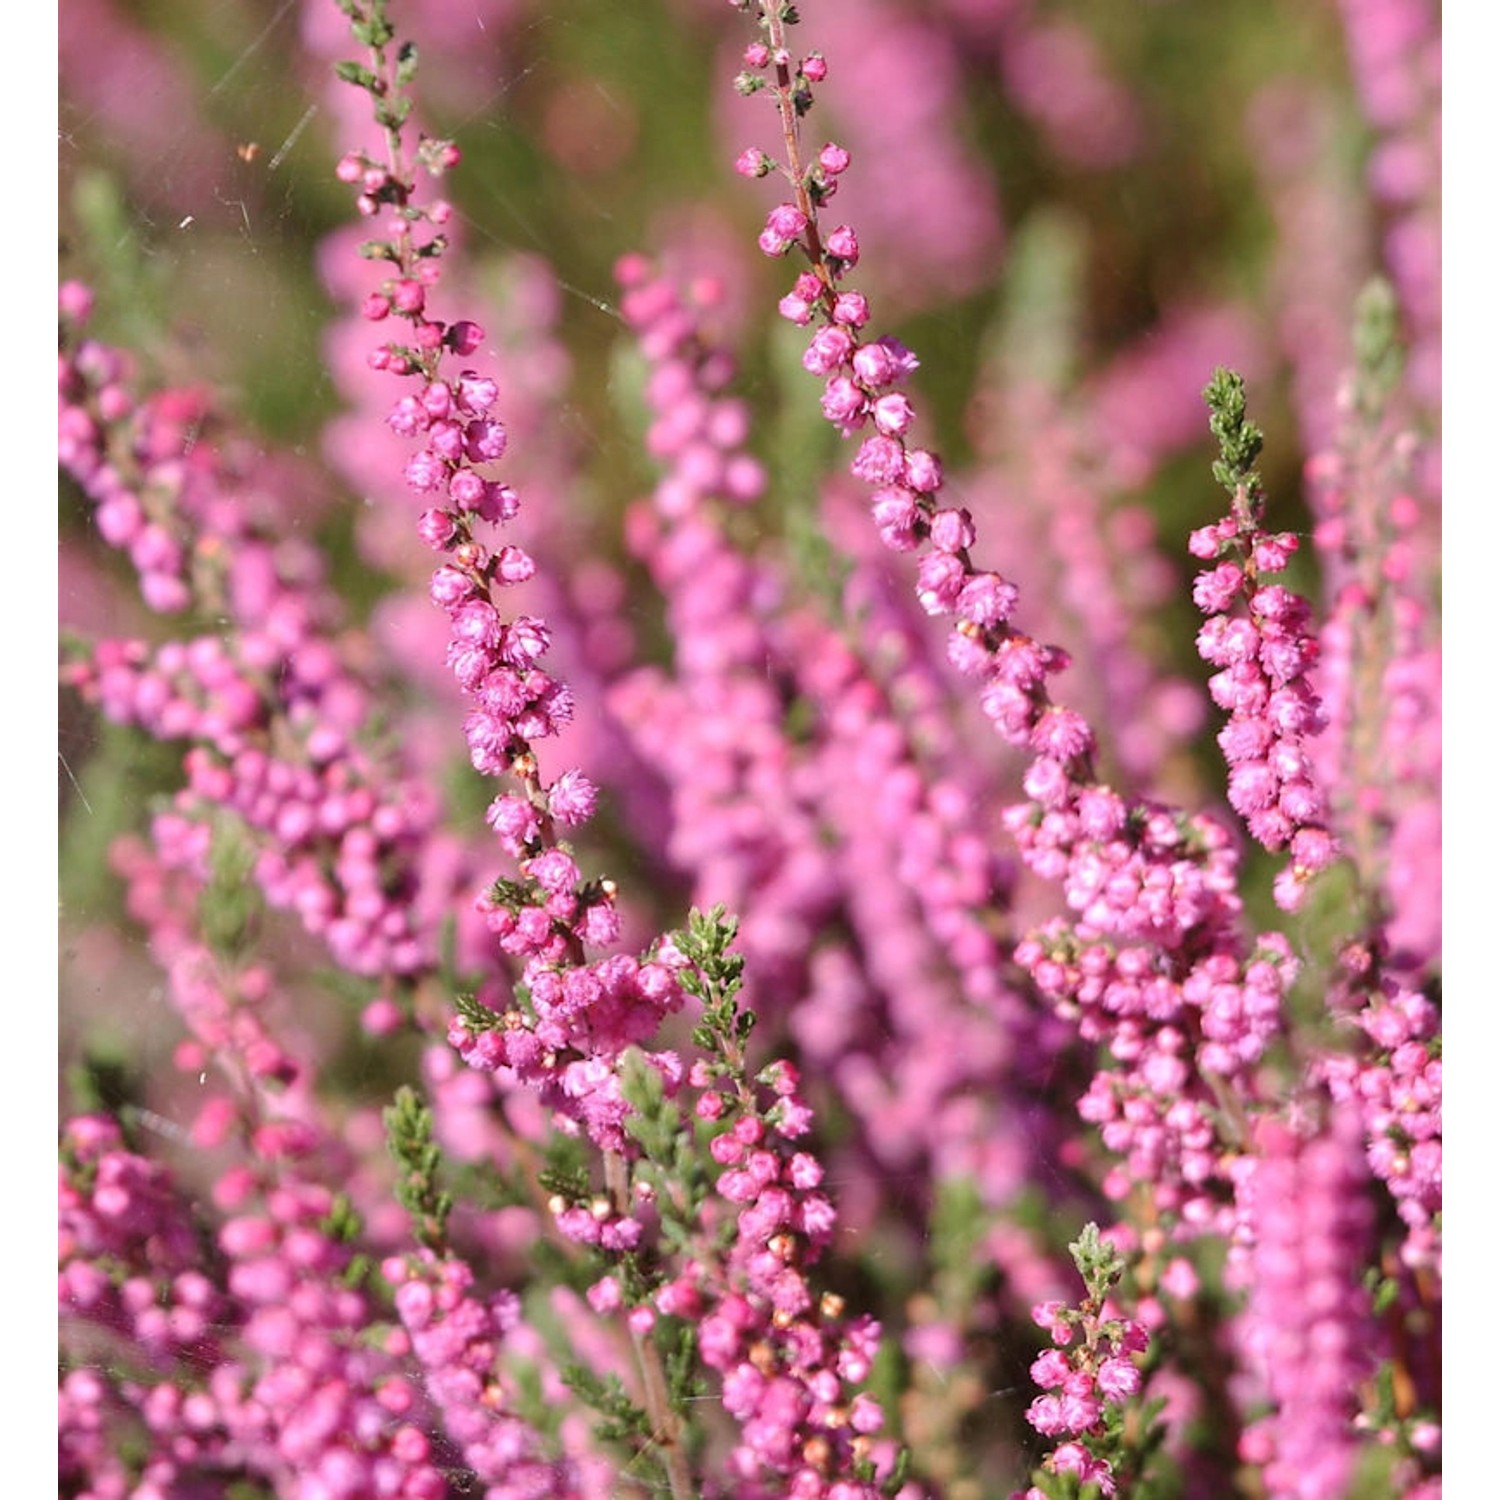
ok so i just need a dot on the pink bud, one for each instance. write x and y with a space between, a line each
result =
464 337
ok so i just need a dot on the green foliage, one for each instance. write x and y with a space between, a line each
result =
248 1489
1240 440
109 773
369 22
1036 336
408 1125
231 905
715 979
479 1018
342 1222
1379 353
656 1121
356 73
103 1082
673 1164
571 1184
1099 1262
707 942
678 1342
106 236
900 1472
622 1420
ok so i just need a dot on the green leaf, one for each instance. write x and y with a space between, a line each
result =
391 114
355 73
476 1015
570 1184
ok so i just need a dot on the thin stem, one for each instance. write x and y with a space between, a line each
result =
776 30
666 1426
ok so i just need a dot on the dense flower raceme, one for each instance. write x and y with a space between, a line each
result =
1089 1374
1395 1084
580 1016
583 1023
777 1206
1307 1328
755 798
1155 965
1157 940
520 305
1265 653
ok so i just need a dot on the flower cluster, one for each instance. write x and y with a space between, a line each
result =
454 1338
1396 1088
579 1016
790 1357
277 717
1088 1375
1156 940
127 1251
1307 1326
1265 658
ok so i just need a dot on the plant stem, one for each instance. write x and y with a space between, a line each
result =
666 1426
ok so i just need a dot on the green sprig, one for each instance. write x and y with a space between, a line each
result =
1379 356
715 978
230 905
624 1421
1099 1263
571 1184
1240 440
357 74
679 1341
408 1125
672 1162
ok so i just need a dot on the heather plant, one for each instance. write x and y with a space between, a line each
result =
735 825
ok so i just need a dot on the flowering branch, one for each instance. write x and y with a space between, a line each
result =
1089 1385
1265 656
